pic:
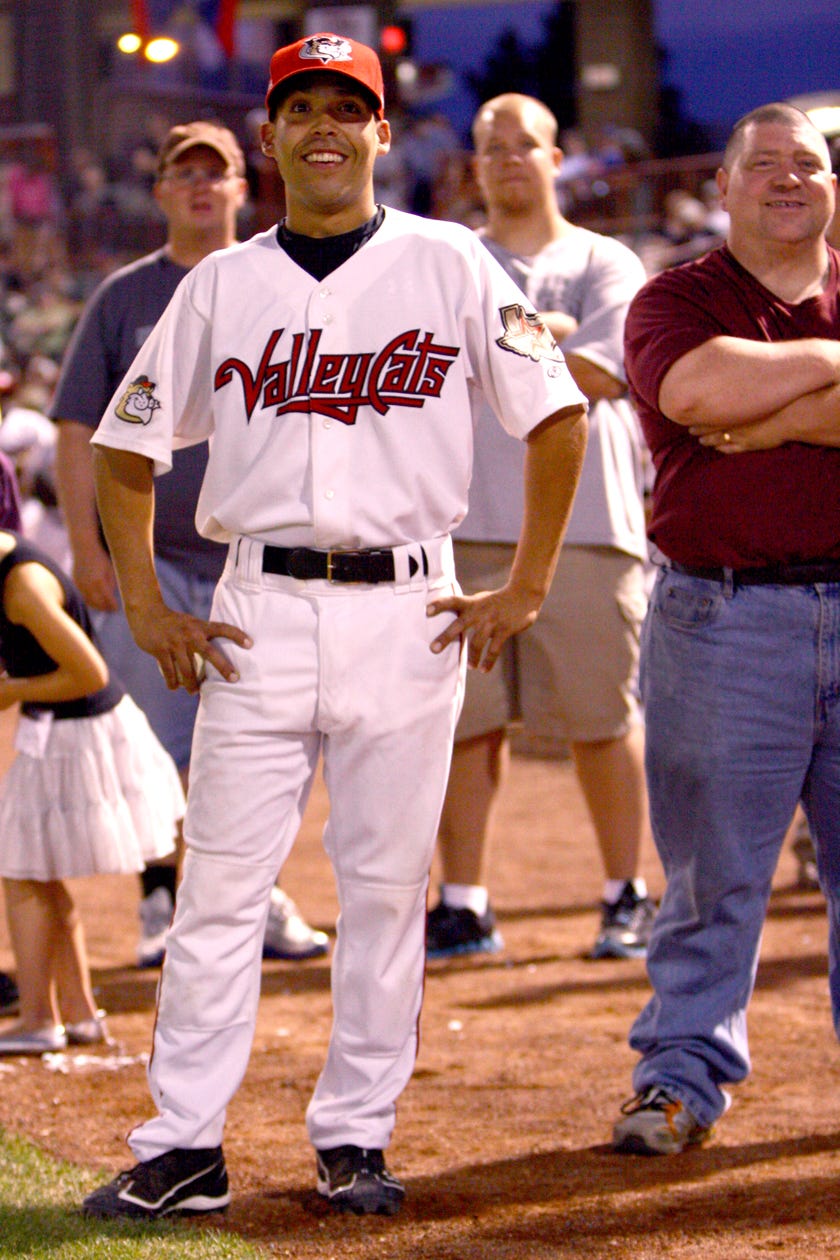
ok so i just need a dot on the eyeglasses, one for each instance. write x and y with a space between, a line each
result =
187 176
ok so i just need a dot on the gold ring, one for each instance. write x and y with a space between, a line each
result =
727 437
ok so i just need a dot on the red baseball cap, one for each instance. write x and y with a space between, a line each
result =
335 53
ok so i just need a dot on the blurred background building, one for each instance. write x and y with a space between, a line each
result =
60 63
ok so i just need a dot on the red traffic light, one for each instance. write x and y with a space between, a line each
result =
393 40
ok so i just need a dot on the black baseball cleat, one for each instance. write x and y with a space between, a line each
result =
354 1180
186 1182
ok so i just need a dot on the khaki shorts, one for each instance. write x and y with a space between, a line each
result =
572 677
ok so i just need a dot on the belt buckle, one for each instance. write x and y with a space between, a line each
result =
335 563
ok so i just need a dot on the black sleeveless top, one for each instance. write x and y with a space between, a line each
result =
23 655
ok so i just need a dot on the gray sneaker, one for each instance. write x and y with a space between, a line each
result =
656 1123
156 912
626 926
355 1180
47 1040
288 935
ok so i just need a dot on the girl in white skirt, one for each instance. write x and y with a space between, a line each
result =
91 792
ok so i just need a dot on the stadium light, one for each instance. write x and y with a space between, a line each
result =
161 49
129 43
826 118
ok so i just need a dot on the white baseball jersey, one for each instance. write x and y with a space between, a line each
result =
340 411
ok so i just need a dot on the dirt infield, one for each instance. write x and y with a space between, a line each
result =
502 1135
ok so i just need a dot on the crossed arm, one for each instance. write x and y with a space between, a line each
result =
737 395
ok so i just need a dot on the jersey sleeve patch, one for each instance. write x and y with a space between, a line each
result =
137 404
525 334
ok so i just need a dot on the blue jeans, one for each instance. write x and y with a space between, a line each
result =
741 689
171 714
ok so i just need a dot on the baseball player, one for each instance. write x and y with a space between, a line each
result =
337 360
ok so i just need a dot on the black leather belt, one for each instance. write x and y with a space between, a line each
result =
806 574
336 566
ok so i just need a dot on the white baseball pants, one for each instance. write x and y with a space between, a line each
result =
345 671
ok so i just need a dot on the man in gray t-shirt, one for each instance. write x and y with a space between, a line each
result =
570 679
200 188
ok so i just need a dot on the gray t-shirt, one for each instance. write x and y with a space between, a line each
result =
593 278
116 321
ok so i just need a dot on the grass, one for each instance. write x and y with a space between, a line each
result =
40 1218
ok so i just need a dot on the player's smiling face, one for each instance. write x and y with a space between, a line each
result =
325 139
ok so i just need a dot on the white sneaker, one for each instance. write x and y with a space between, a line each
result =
89 1032
155 917
288 935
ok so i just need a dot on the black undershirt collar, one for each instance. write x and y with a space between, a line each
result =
319 255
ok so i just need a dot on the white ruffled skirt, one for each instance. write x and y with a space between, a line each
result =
96 796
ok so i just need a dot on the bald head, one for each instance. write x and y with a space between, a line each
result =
531 113
776 112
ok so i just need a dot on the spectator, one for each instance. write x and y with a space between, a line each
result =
737 351
35 208
10 519
28 438
90 792
572 675
428 141
717 220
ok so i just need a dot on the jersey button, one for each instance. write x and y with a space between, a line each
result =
328 424
329 494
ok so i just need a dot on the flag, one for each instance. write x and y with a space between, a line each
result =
151 17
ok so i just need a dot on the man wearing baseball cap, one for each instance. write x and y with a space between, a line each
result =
337 360
208 135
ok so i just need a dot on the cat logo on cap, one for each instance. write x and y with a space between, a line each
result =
326 48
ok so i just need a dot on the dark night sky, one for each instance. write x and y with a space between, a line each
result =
725 56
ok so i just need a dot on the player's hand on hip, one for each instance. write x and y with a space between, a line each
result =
183 645
486 620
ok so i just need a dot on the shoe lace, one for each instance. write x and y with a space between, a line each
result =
655 1098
